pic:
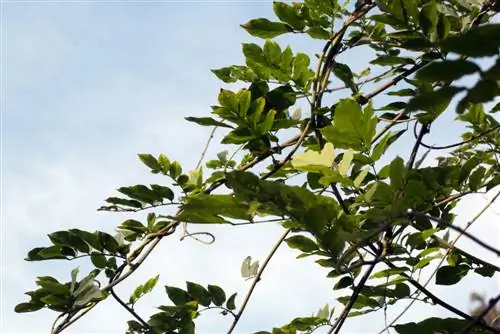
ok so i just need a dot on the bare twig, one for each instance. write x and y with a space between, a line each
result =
459 229
479 135
256 280
439 301
335 329
449 250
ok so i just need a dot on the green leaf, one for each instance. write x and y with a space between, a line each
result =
447 70
28 307
98 260
69 239
217 294
345 164
384 144
288 14
343 283
397 173
108 242
317 32
443 27
230 304
91 238
389 272
149 161
344 73
207 121
360 178
467 167
264 28
234 73
315 161
124 202
438 325
150 284
164 163
479 41
272 51
267 125
199 293
434 102
133 225
301 71
391 60
177 295
428 18
301 243
175 169
348 127
162 191
448 275
476 177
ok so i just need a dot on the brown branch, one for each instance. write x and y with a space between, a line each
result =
479 135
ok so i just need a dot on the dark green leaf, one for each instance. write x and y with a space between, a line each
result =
108 242
199 293
447 70
344 282
177 295
438 325
207 121
448 275
217 294
230 304
477 42
98 260
162 191
264 28
124 202
317 32
28 307
344 73
149 161
288 14
302 243
476 177
428 18
69 239
391 60
397 173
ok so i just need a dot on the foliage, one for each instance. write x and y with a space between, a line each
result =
362 213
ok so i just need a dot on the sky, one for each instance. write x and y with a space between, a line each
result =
88 85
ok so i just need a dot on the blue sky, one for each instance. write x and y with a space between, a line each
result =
86 86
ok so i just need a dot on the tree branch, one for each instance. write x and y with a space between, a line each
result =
256 280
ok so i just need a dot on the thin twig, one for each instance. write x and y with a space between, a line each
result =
129 309
433 147
413 155
256 280
439 301
459 229
449 250
335 329
206 147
